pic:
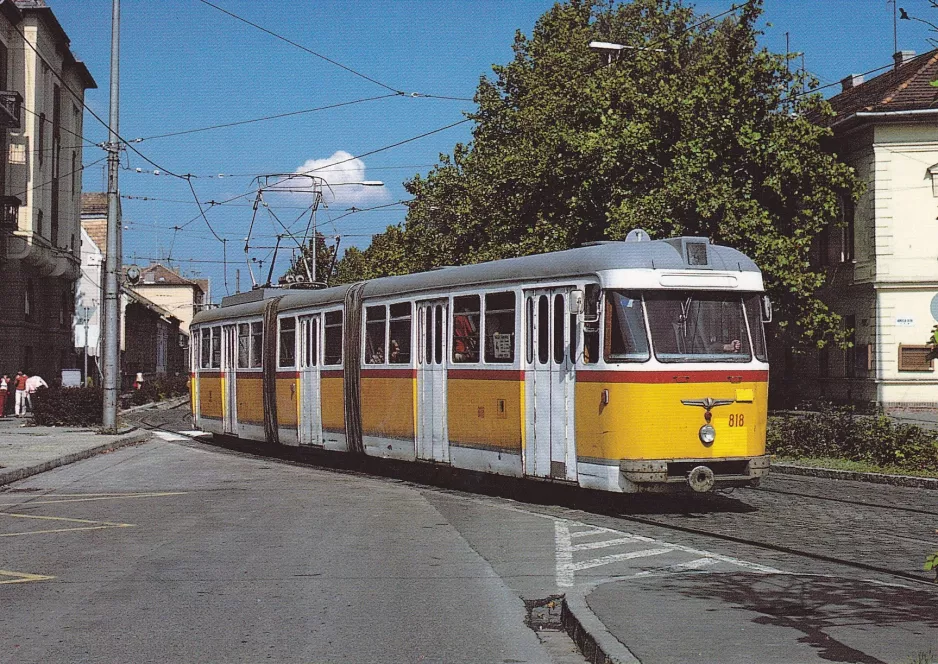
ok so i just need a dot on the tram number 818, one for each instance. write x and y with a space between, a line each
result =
737 420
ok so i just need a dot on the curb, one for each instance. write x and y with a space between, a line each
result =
595 642
874 478
16 474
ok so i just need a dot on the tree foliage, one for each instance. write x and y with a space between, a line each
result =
695 131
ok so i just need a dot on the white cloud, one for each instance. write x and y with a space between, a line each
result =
338 175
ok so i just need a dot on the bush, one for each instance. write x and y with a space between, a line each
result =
839 432
159 388
68 406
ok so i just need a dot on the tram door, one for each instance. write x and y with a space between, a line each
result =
229 367
549 385
431 381
309 409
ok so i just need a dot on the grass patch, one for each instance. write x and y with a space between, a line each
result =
855 466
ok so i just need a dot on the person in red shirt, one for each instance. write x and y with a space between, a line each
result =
5 384
20 384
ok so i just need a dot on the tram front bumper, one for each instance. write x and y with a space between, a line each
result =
674 474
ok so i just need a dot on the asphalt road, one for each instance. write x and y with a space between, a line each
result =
180 551
173 553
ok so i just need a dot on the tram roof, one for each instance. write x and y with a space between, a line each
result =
666 254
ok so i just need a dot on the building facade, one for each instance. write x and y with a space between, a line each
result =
181 296
882 262
41 104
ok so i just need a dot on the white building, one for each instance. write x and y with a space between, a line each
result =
883 265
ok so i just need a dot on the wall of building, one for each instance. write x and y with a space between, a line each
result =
176 299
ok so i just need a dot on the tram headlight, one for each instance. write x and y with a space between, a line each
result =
707 434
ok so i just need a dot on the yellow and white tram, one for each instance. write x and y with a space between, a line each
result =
620 366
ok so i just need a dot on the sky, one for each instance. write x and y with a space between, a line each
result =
186 65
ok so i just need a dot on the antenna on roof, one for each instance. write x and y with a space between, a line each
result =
637 235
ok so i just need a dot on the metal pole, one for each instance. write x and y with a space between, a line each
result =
112 373
84 376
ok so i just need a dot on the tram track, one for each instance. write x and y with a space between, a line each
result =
779 548
845 501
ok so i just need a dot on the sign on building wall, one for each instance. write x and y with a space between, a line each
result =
905 321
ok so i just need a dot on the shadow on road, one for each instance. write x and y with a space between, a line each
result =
827 611
522 490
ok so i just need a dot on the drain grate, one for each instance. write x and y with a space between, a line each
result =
545 614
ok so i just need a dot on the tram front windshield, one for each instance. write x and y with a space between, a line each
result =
699 327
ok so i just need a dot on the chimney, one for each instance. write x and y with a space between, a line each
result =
851 81
902 57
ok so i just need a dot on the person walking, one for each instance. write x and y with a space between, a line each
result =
4 393
33 383
19 383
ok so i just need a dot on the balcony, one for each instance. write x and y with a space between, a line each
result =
9 213
11 104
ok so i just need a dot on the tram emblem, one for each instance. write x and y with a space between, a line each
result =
708 402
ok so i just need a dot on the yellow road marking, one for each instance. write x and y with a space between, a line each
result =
91 497
21 577
92 525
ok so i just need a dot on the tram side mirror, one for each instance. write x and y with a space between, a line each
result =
576 302
766 309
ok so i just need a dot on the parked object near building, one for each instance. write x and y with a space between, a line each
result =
882 264
39 230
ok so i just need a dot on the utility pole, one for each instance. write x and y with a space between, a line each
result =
111 351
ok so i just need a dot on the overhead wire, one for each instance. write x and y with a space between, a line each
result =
261 119
355 72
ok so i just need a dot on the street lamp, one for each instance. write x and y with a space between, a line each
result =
612 50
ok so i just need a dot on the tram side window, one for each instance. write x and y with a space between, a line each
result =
257 344
626 340
244 345
399 334
216 348
206 348
332 348
754 314
500 327
466 319
287 342
591 325
376 327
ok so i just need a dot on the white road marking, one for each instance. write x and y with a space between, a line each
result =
195 433
567 567
167 436
602 544
616 557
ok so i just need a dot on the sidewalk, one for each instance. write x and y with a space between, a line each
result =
27 450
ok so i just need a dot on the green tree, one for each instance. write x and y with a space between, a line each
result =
695 131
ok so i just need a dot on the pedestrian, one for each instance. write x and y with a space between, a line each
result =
33 383
4 393
19 383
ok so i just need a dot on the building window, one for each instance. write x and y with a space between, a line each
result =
915 358
848 213
41 140
28 300
850 354
39 221
824 363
